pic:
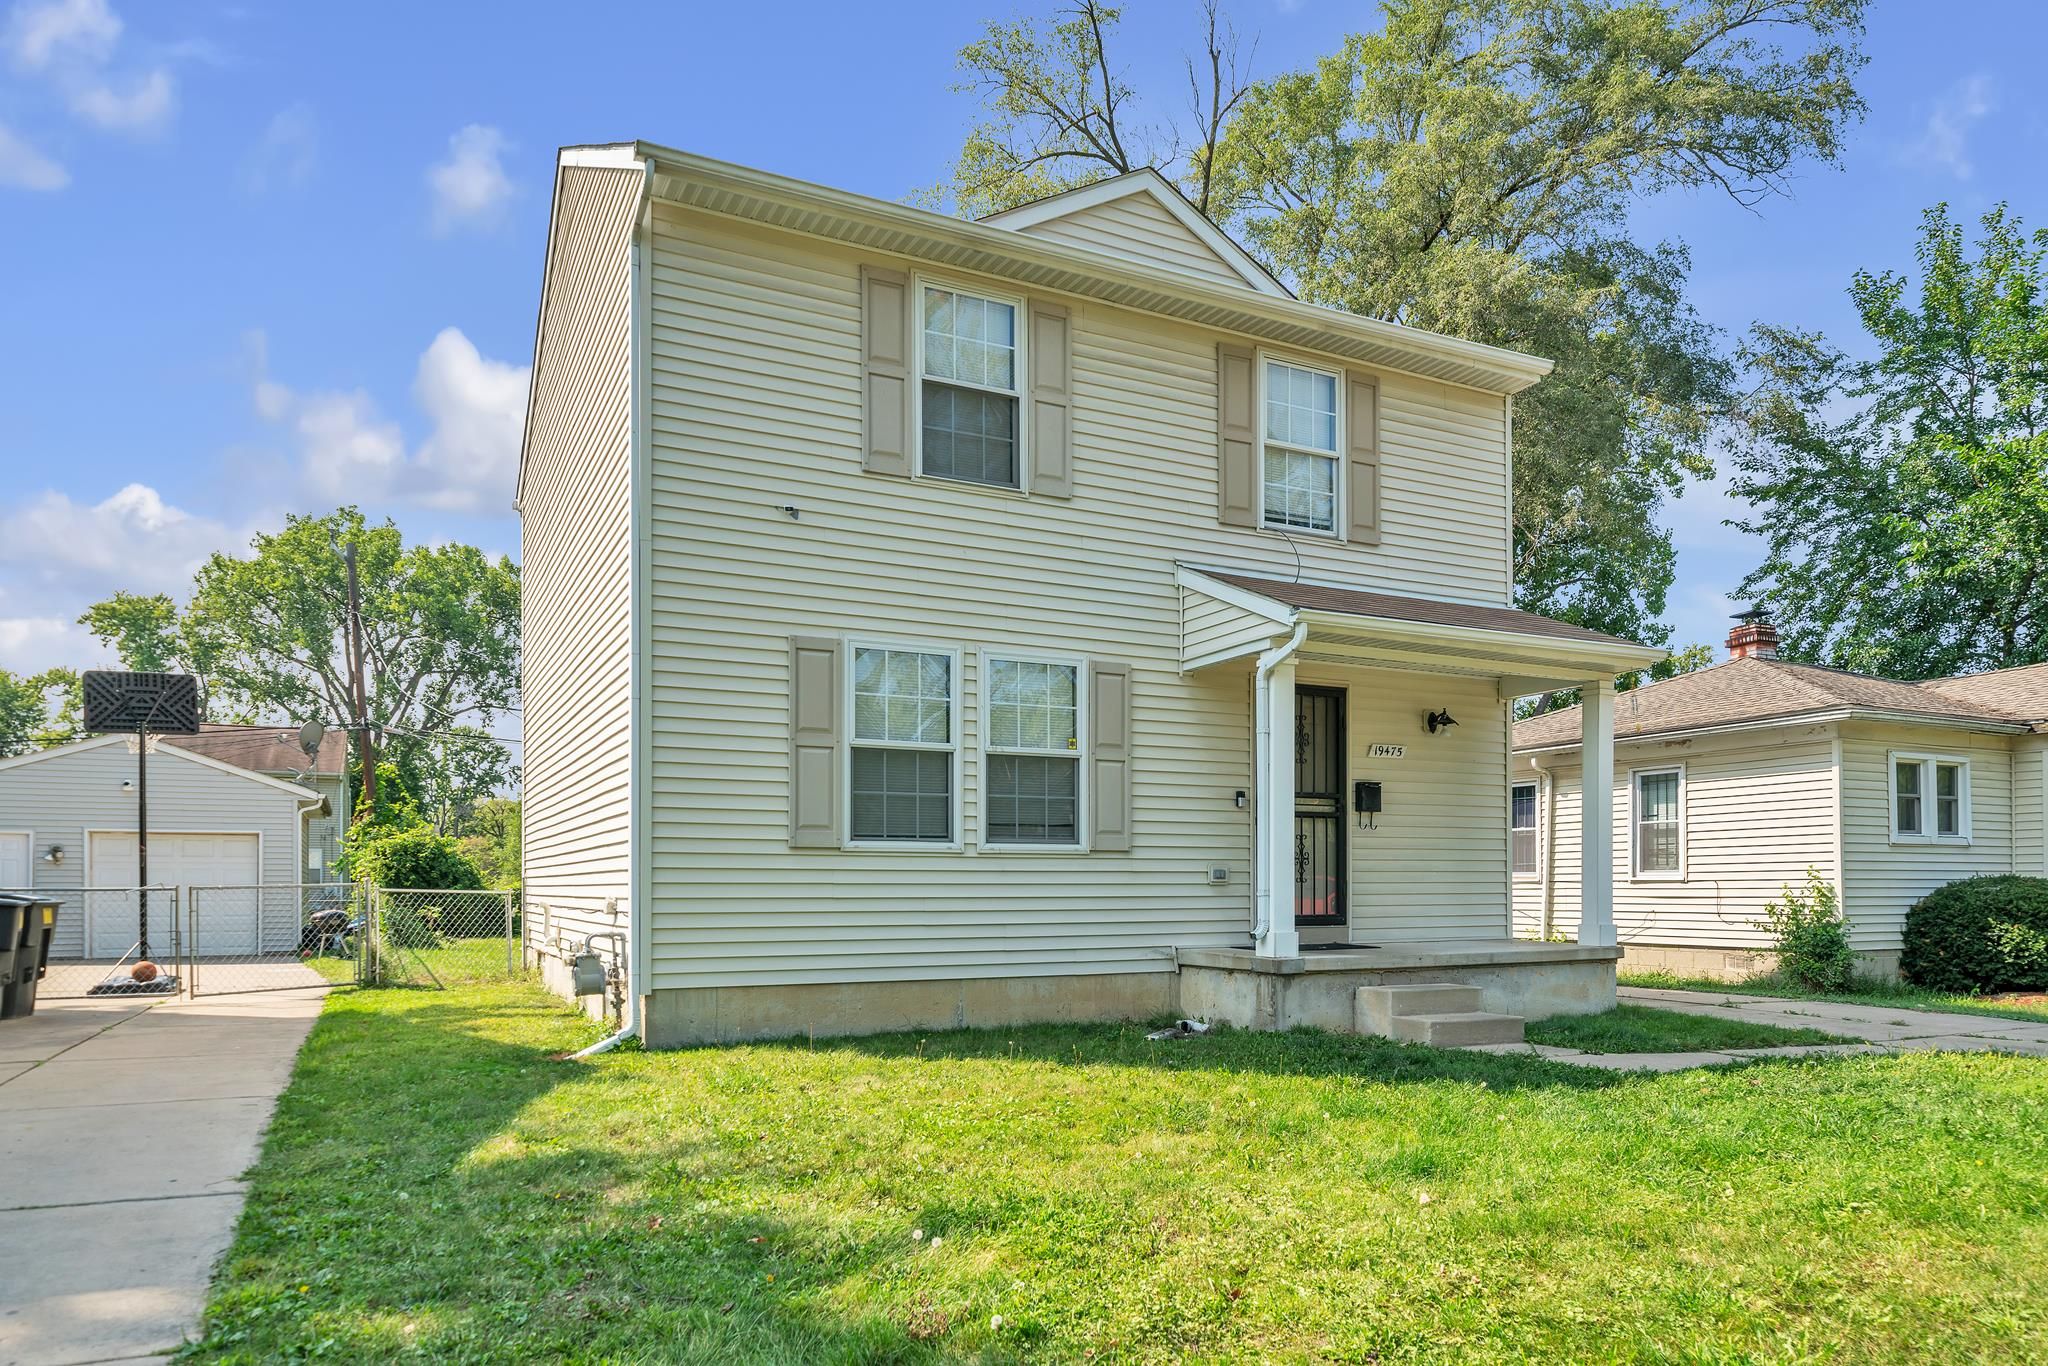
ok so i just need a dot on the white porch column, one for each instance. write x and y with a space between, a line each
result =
1276 818
1596 813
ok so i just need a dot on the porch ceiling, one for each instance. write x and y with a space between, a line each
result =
1241 615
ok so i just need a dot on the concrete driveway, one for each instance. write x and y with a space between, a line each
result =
125 1128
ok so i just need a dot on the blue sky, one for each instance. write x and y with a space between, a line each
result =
269 259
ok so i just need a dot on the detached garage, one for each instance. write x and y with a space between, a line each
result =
67 821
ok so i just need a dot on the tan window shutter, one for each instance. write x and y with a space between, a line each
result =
885 333
1362 396
1109 756
814 689
1237 438
1052 401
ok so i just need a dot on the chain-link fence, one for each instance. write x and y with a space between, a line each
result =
272 936
436 939
112 941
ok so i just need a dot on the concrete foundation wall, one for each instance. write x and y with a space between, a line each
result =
1328 1000
676 1017
1725 965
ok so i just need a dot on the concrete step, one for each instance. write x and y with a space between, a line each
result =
1458 1028
1376 1007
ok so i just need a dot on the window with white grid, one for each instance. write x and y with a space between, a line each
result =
903 743
969 395
1300 448
1032 719
1522 828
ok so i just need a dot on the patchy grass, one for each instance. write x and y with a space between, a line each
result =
435 1187
1642 1029
2032 1007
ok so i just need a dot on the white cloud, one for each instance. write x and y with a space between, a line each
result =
285 155
146 105
470 188
42 35
1944 144
22 167
133 540
348 449
33 644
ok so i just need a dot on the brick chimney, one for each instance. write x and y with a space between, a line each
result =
1754 637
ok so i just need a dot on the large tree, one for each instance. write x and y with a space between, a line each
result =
1470 168
265 631
37 710
1905 494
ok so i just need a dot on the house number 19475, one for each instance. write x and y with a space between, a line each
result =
1386 751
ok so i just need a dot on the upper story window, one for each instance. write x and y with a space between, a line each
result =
1658 821
969 392
1522 829
904 739
1300 448
1930 797
1034 752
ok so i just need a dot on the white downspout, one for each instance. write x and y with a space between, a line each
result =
639 907
1262 710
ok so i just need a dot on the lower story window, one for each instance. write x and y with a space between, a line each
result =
1930 797
902 794
901 781
1659 842
1522 828
1034 759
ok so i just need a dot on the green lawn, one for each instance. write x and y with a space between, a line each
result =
1641 1029
437 1186
1866 993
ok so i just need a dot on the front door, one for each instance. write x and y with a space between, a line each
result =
1318 807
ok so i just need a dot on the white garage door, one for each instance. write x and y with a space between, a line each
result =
227 925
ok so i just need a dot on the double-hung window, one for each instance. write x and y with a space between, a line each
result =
1033 718
969 395
1658 821
1300 448
904 738
1522 851
1930 797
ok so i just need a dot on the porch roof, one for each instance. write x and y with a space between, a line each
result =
1246 614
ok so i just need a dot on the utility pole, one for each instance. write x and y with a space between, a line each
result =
366 747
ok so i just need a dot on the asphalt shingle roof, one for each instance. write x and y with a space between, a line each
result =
264 749
1317 597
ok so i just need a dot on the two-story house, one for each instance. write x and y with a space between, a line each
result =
935 622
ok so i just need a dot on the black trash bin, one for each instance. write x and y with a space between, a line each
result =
27 925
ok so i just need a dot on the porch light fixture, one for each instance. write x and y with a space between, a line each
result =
1439 720
55 854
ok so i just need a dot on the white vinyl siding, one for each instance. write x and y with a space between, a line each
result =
1138 228
2030 810
1211 627
756 406
576 563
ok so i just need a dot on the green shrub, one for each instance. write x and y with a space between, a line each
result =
1980 934
1811 938
416 857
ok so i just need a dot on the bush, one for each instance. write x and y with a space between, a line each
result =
416 857
1811 937
1980 934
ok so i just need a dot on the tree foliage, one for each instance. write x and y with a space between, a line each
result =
265 632
1905 496
37 711
1469 169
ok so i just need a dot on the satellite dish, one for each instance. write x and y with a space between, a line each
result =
310 736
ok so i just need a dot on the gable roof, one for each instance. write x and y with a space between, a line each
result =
1752 691
303 794
1148 187
265 749
2021 692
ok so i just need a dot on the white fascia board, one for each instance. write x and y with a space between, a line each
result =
1187 576
921 234
1148 182
1573 658
177 751
1804 718
55 751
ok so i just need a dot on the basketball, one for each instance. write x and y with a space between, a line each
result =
144 971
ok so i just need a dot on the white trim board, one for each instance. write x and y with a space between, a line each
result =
304 794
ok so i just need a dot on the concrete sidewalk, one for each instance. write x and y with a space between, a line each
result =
1879 1029
125 1128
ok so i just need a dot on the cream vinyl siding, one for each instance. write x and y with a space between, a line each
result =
1886 878
755 405
62 797
1138 227
1434 865
2030 806
1210 626
576 561
1757 810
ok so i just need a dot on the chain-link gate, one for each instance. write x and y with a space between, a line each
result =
272 937
437 939
113 941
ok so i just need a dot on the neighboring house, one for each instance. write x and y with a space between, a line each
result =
1731 782
931 621
231 806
